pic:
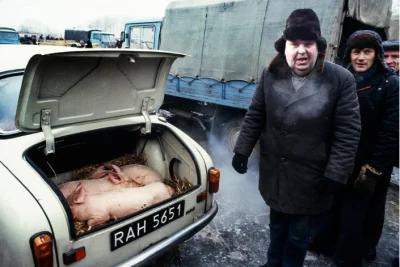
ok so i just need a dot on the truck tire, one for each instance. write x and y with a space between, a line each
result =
230 133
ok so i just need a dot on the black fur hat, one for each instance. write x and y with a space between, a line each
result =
302 24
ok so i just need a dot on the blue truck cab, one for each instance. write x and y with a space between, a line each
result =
142 34
103 39
9 36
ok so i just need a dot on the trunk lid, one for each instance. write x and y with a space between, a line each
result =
91 85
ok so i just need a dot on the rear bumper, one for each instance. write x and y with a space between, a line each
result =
174 240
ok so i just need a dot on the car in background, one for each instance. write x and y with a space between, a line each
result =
9 36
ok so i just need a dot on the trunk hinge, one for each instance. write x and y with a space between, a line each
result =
145 113
46 128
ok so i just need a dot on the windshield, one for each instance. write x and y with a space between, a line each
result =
108 38
9 93
11 37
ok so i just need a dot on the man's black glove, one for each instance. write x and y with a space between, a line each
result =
239 163
366 180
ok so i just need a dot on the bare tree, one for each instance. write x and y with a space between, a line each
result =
108 24
23 28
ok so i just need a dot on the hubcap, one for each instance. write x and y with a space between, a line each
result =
233 138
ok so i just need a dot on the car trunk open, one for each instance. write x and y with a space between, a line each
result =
161 150
98 86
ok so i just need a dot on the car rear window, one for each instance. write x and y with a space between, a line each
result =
9 92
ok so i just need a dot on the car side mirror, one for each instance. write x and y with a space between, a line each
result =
122 37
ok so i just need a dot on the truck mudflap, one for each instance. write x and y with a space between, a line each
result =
161 247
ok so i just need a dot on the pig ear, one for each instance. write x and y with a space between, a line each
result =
79 194
116 178
98 173
116 168
101 168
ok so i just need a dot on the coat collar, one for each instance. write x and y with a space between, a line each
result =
310 87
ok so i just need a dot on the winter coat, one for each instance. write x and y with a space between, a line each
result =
306 136
378 96
379 109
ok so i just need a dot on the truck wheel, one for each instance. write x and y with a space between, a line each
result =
230 133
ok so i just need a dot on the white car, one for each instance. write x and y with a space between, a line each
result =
64 108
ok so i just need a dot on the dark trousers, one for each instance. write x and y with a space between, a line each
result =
361 222
375 218
290 237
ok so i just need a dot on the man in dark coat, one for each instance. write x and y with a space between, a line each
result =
363 209
391 54
305 114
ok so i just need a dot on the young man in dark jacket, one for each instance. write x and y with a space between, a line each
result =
305 114
363 209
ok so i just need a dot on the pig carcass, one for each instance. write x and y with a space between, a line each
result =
111 177
97 208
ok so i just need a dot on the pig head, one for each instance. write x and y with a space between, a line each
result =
97 208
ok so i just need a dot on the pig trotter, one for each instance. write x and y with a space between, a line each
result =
115 217
90 227
171 167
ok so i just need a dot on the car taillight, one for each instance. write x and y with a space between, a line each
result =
74 255
213 175
42 249
202 196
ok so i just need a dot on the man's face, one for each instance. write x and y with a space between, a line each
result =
362 59
392 59
301 56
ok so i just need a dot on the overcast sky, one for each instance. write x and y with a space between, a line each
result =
54 16
57 15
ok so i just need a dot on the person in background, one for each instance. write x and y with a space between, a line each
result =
305 115
89 44
118 44
363 207
391 54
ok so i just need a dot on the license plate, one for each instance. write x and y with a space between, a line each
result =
133 231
